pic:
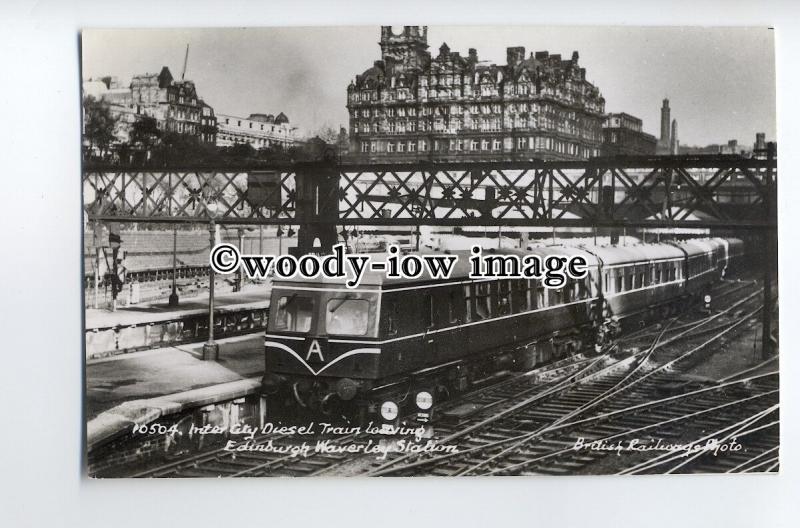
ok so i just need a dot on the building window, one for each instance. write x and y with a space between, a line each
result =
522 143
423 145
373 146
364 146
412 146
401 146
474 145
390 146
496 144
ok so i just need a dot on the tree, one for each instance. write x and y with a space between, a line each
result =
99 124
145 133
328 134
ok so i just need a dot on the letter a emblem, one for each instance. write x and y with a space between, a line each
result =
315 349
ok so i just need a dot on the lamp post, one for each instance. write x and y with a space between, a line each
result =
173 297
240 273
210 348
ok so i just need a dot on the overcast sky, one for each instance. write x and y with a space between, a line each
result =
720 81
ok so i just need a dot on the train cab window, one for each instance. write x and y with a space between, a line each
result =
467 304
427 311
345 316
452 307
482 300
504 297
295 313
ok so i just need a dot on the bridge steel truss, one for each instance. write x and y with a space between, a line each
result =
728 192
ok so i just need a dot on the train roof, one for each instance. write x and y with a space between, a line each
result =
696 246
613 255
461 269
594 255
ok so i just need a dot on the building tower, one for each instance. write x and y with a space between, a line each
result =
665 135
674 144
406 49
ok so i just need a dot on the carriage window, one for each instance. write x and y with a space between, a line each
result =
294 313
619 282
540 297
606 283
504 298
657 273
520 300
629 281
393 319
347 316
452 307
482 300
640 280
467 304
672 272
530 294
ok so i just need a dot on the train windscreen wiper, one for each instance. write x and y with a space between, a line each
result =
346 298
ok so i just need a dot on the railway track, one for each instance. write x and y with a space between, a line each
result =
509 418
499 438
222 463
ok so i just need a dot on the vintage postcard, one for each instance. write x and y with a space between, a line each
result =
429 251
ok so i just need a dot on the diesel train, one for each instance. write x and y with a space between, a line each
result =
347 352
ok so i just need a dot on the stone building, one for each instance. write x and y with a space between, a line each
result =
411 105
259 130
623 136
175 105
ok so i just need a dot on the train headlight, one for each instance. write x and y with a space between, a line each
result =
389 411
424 400
707 299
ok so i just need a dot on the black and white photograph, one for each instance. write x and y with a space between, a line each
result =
429 251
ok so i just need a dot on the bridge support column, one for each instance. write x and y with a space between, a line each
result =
770 256
317 214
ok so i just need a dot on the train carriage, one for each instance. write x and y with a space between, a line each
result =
638 277
326 343
700 267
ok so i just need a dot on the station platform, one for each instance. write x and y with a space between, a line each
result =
156 311
141 386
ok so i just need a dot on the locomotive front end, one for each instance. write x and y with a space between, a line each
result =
321 345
